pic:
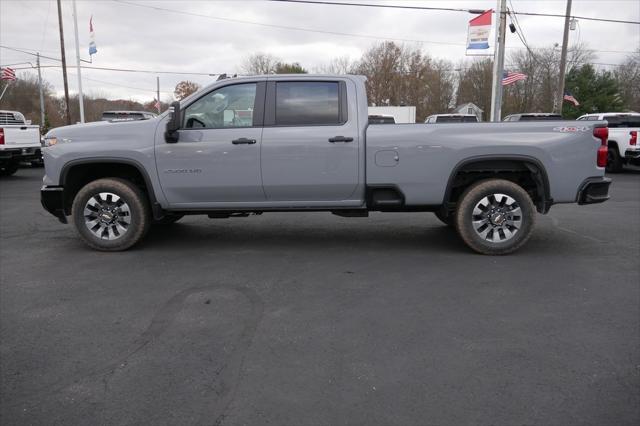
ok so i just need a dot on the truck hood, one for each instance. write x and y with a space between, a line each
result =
104 131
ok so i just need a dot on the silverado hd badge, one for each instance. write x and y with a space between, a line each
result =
175 171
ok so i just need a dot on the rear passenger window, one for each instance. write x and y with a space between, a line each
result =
307 103
633 121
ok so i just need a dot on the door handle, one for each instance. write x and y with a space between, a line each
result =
340 139
244 141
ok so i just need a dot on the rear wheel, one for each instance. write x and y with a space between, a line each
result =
495 217
110 214
614 161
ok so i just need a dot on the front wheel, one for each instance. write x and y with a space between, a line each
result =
495 217
110 214
7 169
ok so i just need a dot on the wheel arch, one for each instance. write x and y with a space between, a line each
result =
77 173
484 166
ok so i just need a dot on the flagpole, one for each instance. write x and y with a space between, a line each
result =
158 92
498 61
80 97
5 89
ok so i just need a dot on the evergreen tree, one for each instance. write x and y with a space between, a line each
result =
595 91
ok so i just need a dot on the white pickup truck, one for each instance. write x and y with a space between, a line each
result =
19 142
623 138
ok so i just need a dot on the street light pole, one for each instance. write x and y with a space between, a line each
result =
498 61
80 98
557 105
64 65
41 94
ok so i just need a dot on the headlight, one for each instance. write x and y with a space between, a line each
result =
50 141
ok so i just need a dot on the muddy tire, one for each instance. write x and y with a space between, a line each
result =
495 217
111 214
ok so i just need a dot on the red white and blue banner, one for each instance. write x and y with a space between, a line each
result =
92 39
479 31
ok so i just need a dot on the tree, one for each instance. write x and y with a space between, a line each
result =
475 85
260 63
23 95
185 88
628 78
292 68
342 65
595 91
399 75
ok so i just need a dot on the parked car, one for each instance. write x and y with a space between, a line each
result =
309 148
127 115
533 116
381 119
19 142
623 138
451 118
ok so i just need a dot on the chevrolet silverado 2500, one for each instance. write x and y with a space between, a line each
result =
303 143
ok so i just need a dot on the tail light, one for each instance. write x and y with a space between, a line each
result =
1 136
634 137
602 133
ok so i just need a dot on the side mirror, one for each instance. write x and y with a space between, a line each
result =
173 125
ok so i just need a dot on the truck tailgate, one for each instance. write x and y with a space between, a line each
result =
21 136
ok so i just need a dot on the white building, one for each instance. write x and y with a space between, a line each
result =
401 114
469 108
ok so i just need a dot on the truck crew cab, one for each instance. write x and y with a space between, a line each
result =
303 143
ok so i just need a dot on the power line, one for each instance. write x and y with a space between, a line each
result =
15 49
448 9
111 69
120 85
286 27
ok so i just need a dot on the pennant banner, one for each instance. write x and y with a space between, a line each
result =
92 38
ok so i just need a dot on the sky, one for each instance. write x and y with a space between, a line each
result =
213 37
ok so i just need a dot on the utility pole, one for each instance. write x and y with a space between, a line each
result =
563 61
498 62
158 93
80 98
41 94
64 65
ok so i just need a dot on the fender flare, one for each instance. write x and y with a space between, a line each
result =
156 208
533 164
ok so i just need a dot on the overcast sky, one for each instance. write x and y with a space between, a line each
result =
140 37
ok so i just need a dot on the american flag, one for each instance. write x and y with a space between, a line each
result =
509 77
8 74
157 105
569 97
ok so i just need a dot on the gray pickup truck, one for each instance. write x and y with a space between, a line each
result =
300 143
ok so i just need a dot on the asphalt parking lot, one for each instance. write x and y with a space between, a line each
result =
313 319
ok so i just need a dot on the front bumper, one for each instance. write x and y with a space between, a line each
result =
594 190
52 199
632 156
632 153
